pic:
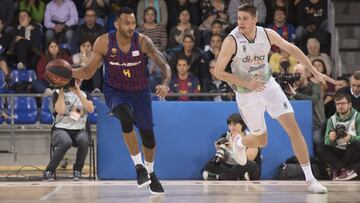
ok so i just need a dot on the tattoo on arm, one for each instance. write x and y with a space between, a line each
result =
158 59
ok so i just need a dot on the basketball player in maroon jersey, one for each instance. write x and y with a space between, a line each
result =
124 54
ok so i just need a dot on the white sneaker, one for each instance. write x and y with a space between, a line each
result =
239 153
315 187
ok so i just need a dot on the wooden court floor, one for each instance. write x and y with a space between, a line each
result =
176 191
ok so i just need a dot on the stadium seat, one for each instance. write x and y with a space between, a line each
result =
93 116
1 110
46 117
25 110
18 76
2 82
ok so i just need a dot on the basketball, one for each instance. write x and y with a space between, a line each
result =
58 72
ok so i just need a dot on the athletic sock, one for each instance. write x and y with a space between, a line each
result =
307 171
149 166
137 159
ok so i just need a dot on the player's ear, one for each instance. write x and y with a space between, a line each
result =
116 24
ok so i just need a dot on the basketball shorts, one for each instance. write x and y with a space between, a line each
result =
252 106
139 102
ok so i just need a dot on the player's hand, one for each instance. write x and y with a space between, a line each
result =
322 78
162 91
255 84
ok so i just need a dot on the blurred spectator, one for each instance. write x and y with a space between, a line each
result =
7 11
158 35
5 39
312 15
159 5
342 146
216 29
215 12
61 18
89 30
330 107
209 55
353 90
150 28
328 88
190 53
175 6
259 4
283 28
303 89
100 7
36 8
116 4
81 60
183 81
313 48
27 42
184 27
282 62
214 85
289 6
53 51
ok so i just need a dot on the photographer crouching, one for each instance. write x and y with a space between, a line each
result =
223 166
71 107
342 140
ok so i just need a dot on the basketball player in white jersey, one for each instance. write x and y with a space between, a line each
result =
256 91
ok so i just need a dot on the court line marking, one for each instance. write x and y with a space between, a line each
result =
47 196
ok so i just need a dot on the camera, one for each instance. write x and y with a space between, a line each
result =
222 154
340 131
70 84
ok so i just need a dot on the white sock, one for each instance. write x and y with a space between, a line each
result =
149 166
307 171
137 159
239 143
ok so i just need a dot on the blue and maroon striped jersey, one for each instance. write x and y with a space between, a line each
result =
125 71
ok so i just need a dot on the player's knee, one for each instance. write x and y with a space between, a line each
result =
125 115
148 138
262 140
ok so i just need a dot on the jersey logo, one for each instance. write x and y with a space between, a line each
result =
285 105
135 53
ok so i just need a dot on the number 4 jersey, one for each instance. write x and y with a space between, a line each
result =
125 71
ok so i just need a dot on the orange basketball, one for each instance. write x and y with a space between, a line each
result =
58 72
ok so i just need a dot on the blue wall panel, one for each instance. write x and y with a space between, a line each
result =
185 133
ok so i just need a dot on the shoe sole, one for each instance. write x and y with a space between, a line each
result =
347 178
156 193
147 183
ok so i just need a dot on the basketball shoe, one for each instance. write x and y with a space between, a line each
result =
155 185
142 176
315 187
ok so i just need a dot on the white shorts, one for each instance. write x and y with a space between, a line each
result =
252 106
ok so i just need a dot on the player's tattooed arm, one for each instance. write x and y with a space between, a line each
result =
154 54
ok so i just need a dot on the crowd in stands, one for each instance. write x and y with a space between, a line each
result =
37 31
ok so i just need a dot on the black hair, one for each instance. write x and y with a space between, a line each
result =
182 57
278 8
26 11
344 79
339 95
190 36
356 75
125 10
322 63
148 9
236 118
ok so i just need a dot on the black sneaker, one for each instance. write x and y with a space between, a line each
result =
142 176
155 185
76 175
48 176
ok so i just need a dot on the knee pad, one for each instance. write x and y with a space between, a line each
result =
125 115
148 138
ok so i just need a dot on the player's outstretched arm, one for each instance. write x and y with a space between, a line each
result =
298 54
99 50
154 54
228 49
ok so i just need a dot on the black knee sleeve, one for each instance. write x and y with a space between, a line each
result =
125 115
148 138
